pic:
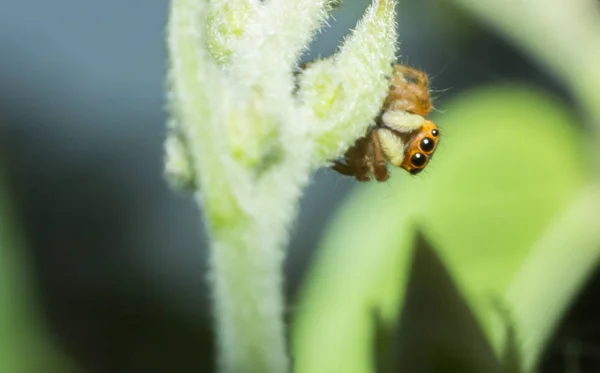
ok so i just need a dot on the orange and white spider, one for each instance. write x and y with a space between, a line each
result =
400 135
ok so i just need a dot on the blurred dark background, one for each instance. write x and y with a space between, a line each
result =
118 260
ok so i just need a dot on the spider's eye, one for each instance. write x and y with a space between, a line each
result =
435 133
418 159
427 144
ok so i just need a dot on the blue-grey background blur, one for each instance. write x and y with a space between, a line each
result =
117 260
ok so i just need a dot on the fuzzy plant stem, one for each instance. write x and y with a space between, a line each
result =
246 143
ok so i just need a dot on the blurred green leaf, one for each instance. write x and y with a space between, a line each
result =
436 331
555 271
510 160
24 343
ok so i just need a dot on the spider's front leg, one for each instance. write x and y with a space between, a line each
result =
379 161
358 160
342 168
391 145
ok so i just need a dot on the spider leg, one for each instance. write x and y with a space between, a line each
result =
361 174
342 168
379 162
392 146
401 121
359 157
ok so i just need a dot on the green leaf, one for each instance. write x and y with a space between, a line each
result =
437 332
25 343
510 161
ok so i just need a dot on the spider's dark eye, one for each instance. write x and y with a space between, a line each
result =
418 159
435 132
427 144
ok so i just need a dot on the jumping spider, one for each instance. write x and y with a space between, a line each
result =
393 138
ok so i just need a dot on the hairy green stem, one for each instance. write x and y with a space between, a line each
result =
246 253
246 144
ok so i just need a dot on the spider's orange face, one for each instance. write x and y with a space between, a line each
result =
420 148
